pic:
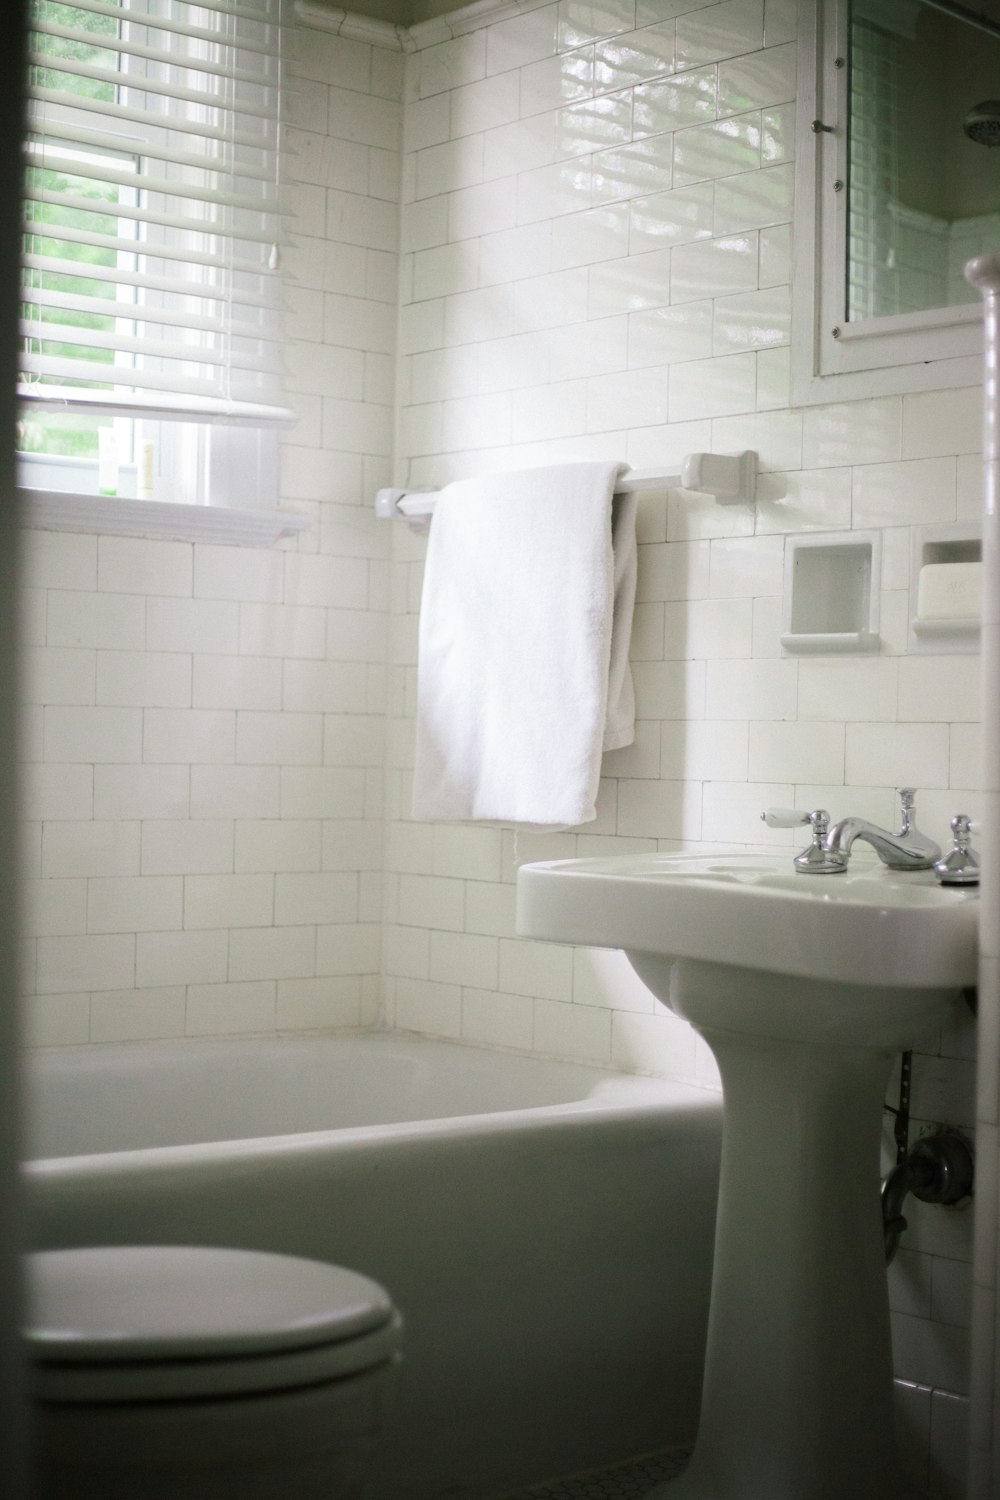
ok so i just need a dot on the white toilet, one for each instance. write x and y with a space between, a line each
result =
189 1373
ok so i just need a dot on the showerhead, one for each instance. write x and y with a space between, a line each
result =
982 123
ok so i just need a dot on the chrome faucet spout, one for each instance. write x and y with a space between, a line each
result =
900 851
830 850
909 849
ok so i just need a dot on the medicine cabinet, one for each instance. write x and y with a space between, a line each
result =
895 191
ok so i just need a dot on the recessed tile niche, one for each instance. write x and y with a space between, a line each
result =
946 588
830 594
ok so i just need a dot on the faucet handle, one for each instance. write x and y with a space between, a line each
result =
792 817
907 801
960 866
817 859
908 807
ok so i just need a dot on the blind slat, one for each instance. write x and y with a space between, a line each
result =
104 171
145 118
118 277
199 98
112 342
176 407
104 140
130 48
133 379
213 349
263 13
182 254
139 312
161 23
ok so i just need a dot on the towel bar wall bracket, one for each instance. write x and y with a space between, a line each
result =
387 504
730 478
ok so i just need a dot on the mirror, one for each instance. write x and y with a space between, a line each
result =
897 187
923 177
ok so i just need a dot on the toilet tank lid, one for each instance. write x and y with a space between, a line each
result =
135 1302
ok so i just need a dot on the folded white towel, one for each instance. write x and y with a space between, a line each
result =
524 634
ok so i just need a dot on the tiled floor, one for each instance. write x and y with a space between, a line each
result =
627 1481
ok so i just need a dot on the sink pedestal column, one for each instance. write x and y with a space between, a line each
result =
797 1398
804 988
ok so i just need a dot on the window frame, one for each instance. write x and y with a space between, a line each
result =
204 459
933 350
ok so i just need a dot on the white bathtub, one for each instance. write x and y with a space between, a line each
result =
545 1229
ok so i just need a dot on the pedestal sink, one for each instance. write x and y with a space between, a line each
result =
804 987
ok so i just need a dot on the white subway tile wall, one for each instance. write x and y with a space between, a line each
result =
597 209
203 803
633 219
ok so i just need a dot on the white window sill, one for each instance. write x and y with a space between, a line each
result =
60 510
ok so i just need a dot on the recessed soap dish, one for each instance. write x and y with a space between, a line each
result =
945 588
831 597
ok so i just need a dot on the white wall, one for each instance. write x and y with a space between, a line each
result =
596 227
205 724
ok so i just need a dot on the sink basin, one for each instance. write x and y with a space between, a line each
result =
804 986
868 926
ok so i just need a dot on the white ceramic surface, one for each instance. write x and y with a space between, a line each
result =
494 1197
870 926
124 1097
803 986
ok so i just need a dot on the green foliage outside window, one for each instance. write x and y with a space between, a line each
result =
71 435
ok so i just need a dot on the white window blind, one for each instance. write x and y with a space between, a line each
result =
151 281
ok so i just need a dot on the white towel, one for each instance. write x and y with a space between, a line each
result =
524 634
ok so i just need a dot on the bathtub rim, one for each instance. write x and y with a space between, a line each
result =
651 1096
546 1117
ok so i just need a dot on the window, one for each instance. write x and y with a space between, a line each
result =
150 283
894 194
